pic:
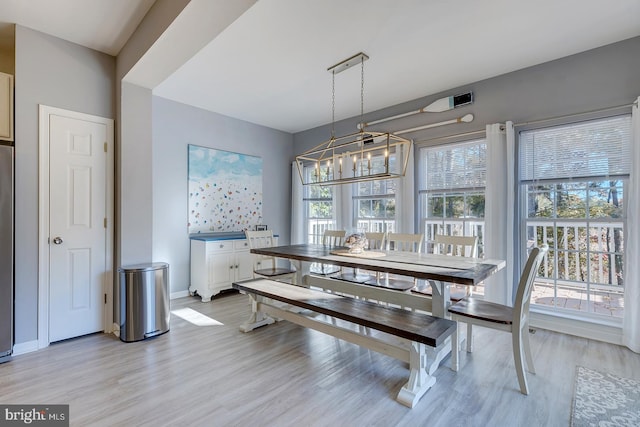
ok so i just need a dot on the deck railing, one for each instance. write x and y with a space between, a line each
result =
583 270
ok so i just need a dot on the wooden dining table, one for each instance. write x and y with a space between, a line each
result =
439 270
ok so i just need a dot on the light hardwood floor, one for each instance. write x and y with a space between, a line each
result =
286 375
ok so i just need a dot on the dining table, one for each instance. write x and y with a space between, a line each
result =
439 270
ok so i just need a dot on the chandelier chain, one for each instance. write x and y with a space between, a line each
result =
333 104
362 92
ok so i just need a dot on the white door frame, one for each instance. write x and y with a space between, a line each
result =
43 219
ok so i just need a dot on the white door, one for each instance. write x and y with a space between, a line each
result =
77 226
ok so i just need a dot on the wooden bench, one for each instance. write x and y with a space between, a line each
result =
422 336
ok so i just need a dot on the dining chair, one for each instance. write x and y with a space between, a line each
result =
331 239
267 266
375 241
399 242
515 320
465 246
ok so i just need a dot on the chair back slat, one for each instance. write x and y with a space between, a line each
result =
466 246
375 240
333 238
405 242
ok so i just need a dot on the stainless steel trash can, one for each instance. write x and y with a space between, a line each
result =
144 301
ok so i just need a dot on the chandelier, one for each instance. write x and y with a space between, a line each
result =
360 156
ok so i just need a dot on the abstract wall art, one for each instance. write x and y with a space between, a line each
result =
225 190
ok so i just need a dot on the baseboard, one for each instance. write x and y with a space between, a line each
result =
179 294
25 347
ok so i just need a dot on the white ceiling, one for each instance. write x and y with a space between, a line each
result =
270 66
103 25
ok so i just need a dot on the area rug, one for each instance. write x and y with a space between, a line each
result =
602 399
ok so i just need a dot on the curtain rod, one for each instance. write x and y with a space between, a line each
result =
458 135
476 132
551 119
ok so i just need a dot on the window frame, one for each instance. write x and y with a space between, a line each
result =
449 225
314 236
523 219
389 223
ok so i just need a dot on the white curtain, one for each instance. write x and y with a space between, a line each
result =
405 199
631 325
499 210
342 206
297 207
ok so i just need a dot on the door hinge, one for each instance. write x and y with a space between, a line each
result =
105 223
105 147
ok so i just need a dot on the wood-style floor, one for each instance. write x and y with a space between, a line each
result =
286 375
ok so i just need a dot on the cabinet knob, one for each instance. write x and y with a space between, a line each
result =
231 267
221 246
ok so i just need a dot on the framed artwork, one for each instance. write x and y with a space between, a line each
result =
225 190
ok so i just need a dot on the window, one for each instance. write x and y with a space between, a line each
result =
319 209
573 181
452 190
374 202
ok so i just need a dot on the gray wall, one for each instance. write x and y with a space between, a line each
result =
175 126
592 80
133 204
135 197
60 74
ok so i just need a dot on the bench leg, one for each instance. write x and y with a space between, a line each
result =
419 380
437 355
455 348
257 318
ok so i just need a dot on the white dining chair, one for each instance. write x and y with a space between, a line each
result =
375 241
267 266
465 246
515 320
399 242
330 239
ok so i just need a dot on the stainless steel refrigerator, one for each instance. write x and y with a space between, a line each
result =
6 250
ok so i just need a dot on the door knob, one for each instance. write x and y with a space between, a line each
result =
57 240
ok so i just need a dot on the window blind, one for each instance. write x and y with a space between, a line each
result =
456 167
597 148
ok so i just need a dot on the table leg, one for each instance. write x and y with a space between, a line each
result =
302 271
257 317
441 301
440 298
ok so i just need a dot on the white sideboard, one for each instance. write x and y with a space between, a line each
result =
6 106
218 262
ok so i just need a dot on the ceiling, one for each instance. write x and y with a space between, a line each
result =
103 25
269 66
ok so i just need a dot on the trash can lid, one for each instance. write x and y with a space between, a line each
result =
144 267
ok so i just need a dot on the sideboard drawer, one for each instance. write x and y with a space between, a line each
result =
220 246
240 244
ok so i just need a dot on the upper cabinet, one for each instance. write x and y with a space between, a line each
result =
6 107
